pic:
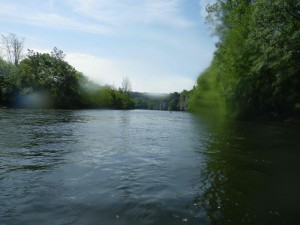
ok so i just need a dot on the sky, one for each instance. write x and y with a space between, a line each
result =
160 45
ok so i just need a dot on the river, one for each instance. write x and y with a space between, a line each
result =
94 167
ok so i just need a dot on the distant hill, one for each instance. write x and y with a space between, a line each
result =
161 101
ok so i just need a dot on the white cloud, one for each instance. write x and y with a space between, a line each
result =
102 16
144 77
58 21
100 70
44 17
97 16
118 12
7 7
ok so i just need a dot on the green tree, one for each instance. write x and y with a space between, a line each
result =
47 80
274 41
8 81
52 75
256 64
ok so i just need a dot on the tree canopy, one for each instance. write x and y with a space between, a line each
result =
46 80
255 71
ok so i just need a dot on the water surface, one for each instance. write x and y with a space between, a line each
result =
145 167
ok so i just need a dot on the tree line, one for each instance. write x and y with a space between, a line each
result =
46 80
172 102
255 72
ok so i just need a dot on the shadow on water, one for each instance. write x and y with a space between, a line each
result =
251 174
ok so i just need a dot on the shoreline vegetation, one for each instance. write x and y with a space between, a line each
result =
255 71
46 80
43 80
254 74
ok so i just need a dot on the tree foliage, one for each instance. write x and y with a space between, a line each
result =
46 80
173 102
256 66
49 74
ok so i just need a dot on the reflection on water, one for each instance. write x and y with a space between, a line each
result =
251 173
145 167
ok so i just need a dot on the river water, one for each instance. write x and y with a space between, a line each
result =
145 167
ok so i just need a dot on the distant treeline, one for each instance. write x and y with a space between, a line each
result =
172 102
255 72
46 80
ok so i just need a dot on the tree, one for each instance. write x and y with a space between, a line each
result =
42 72
274 41
58 54
256 63
8 82
46 80
12 47
126 85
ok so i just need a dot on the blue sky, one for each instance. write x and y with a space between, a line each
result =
161 45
